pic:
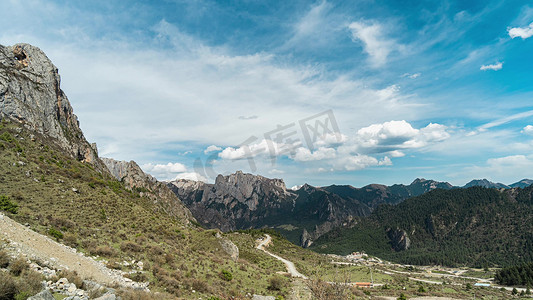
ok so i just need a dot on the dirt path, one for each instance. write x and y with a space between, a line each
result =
290 265
38 247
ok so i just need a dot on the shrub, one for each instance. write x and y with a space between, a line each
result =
19 266
402 297
72 277
275 283
135 295
104 251
8 287
8 205
55 233
130 247
70 240
226 275
4 259
200 285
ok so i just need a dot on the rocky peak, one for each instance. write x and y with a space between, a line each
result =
485 183
522 183
30 93
135 179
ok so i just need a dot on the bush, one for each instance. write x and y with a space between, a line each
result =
8 287
55 233
402 297
18 266
226 275
8 205
4 259
275 283
200 286
130 247
72 277
104 251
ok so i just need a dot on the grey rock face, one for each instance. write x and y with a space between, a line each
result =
134 178
229 247
30 93
237 201
399 239
43 295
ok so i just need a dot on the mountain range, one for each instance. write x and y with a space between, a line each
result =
303 214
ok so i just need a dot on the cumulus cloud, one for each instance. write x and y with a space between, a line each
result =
509 169
359 162
212 148
397 135
528 130
164 171
190 176
375 43
371 146
521 32
263 148
493 67
304 154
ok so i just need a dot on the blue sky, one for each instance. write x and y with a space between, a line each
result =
434 89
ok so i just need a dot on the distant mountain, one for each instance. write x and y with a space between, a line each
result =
486 183
466 226
522 183
242 201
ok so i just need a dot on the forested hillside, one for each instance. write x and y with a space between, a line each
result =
475 226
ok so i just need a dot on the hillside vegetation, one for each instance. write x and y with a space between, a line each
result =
70 201
475 227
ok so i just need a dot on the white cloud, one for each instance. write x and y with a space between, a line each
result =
396 135
528 130
375 44
190 176
164 171
521 32
412 76
276 172
508 169
304 154
505 120
493 67
212 148
359 162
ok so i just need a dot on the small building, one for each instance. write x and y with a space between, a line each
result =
363 284
482 284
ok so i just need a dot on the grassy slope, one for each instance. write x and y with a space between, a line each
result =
103 218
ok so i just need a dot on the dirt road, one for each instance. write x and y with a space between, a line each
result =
38 247
290 265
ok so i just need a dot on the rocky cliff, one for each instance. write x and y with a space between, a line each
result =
30 93
135 179
241 201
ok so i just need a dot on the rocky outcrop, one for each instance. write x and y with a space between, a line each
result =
228 246
237 201
305 239
399 239
30 93
135 179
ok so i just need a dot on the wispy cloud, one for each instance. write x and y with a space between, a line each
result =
375 42
521 32
493 67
